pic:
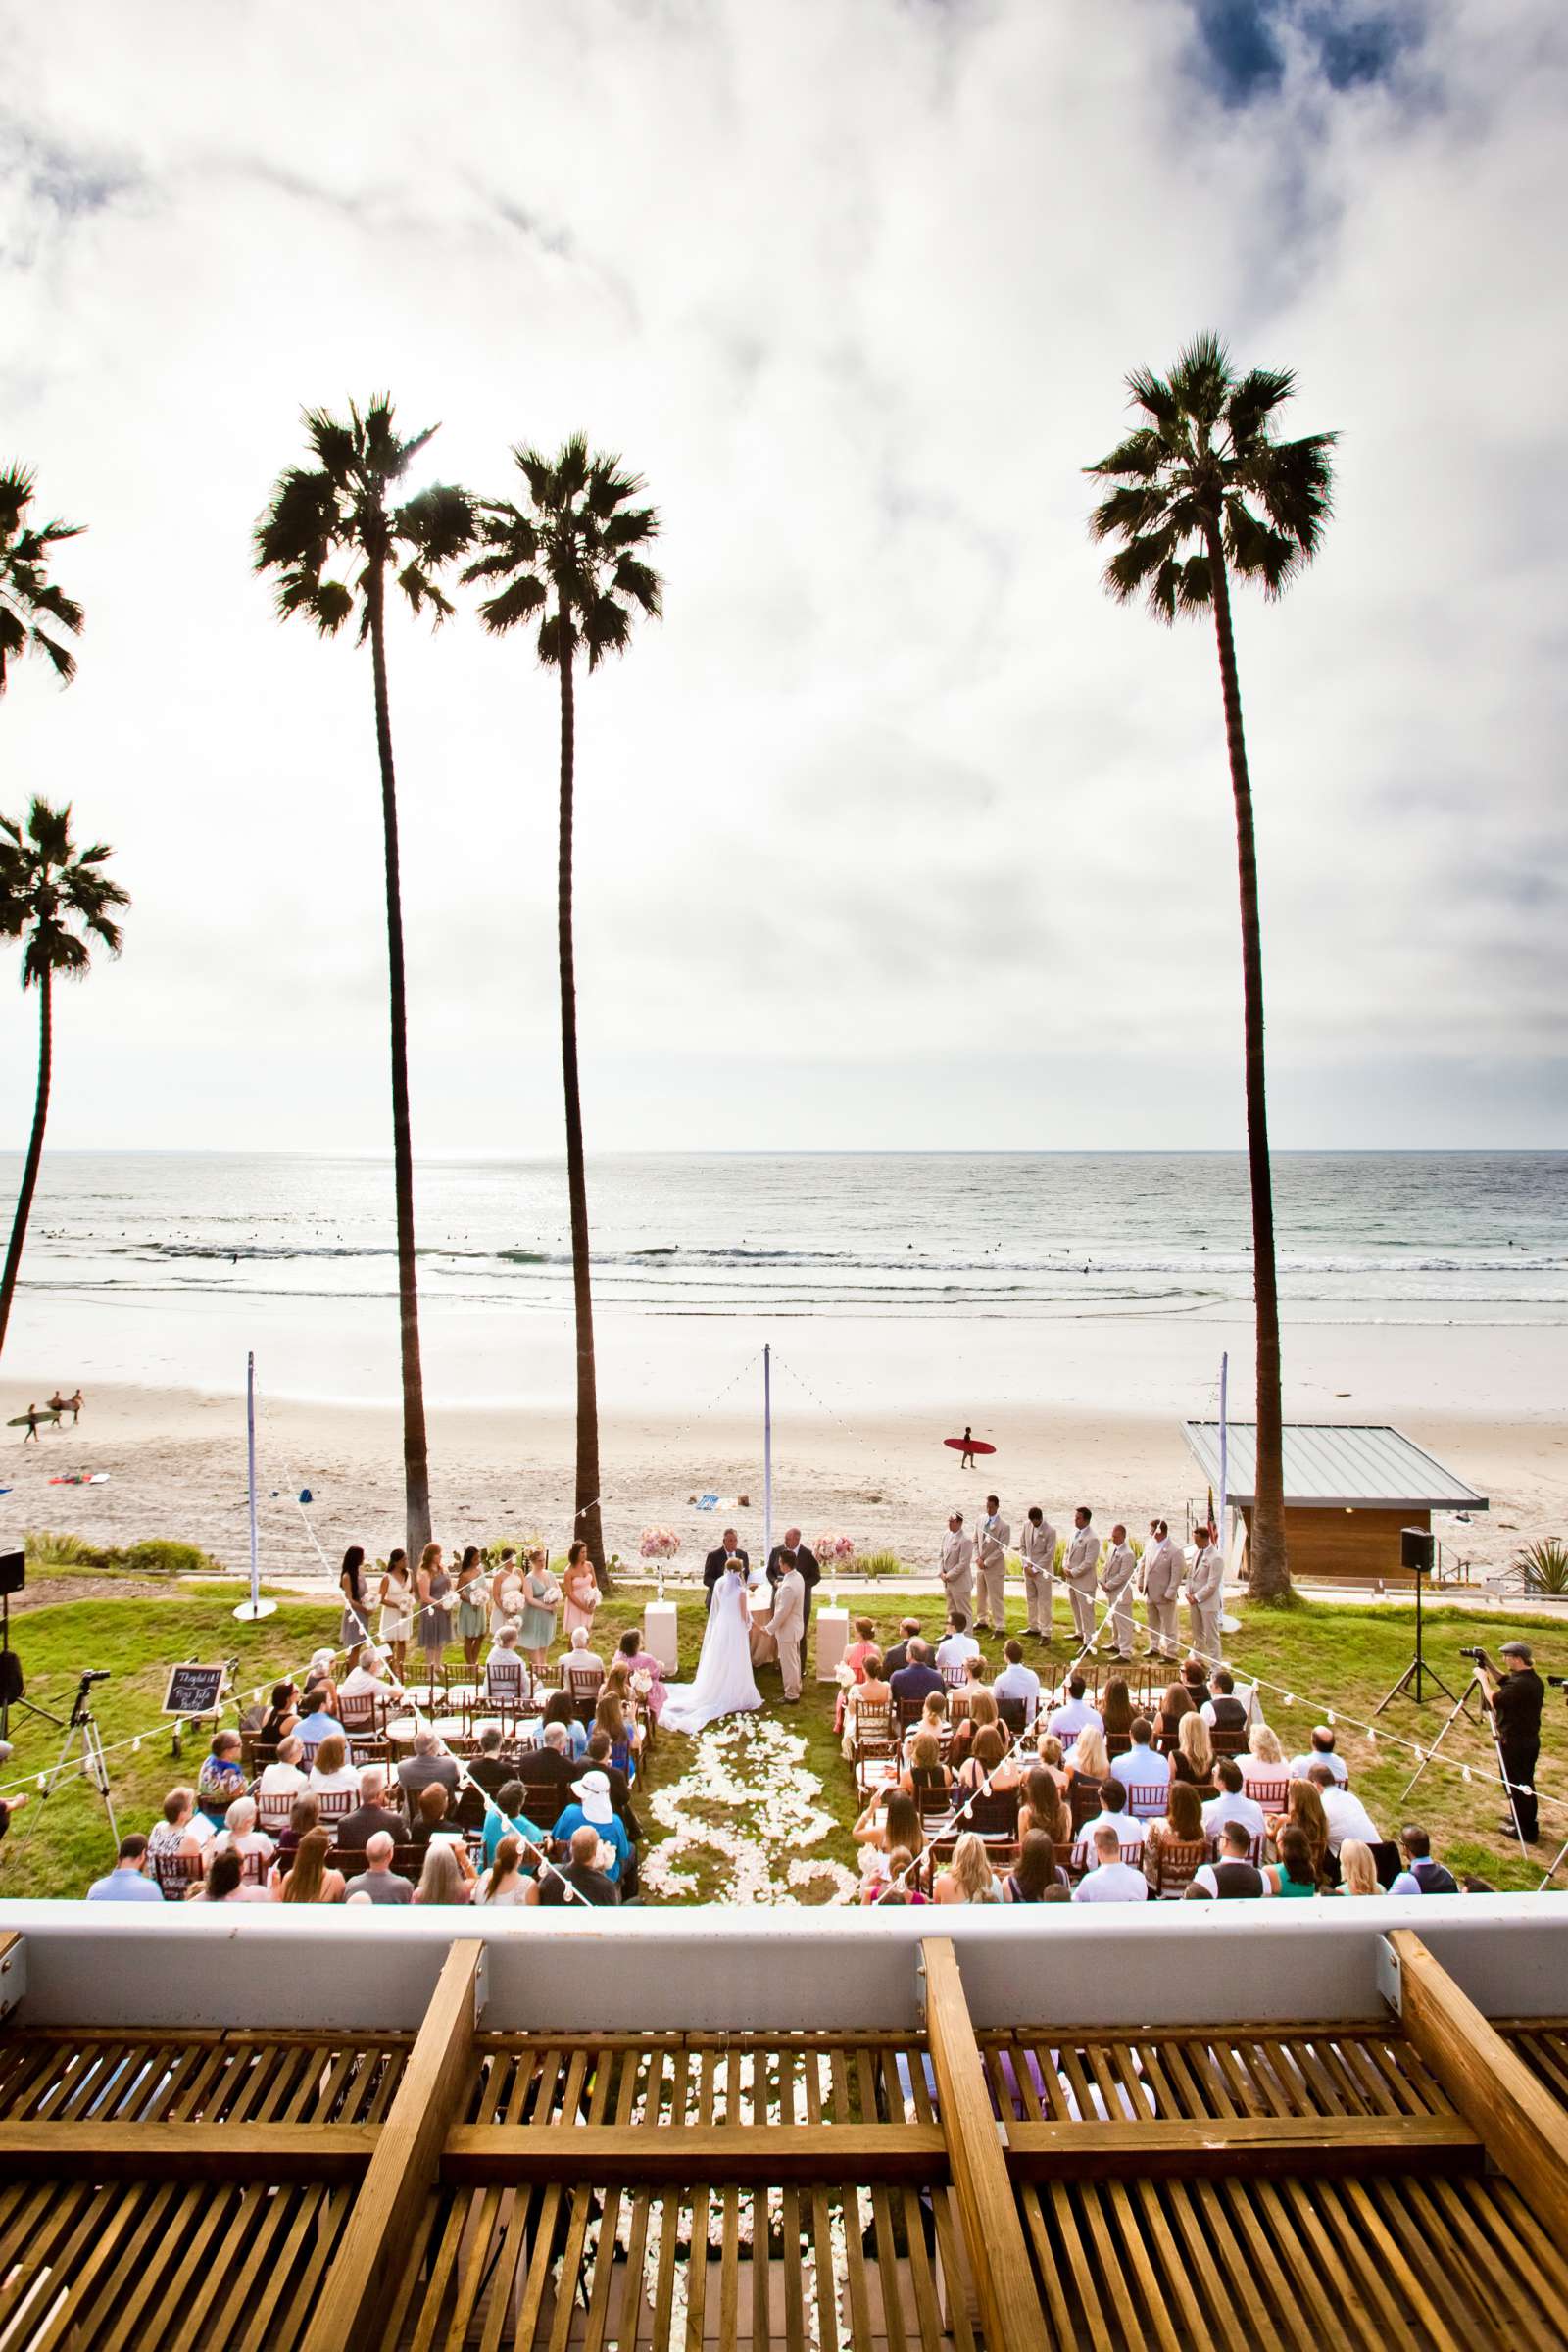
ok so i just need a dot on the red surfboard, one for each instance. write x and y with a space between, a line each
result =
968 1446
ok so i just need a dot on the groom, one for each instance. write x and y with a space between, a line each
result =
788 1625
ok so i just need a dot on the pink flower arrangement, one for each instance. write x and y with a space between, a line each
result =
834 1548
659 1544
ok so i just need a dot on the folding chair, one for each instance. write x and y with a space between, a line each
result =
1176 1865
176 1874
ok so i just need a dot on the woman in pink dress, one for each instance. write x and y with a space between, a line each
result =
631 1654
580 1589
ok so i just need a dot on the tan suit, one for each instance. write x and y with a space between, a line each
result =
1083 1558
990 1572
1206 1590
1116 1583
958 1558
1037 1547
788 1628
1162 1581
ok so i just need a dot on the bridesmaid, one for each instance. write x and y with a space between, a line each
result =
432 1584
354 1625
472 1616
506 1594
541 1596
397 1611
581 1591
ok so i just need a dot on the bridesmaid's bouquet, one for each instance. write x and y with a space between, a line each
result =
834 1551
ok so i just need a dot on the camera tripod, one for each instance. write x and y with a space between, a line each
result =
81 1732
1475 1688
1562 1854
1418 1673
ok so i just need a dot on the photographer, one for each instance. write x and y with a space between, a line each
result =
1517 1695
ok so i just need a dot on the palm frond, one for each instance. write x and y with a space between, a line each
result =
1133 562
1254 401
1295 482
1201 381
60 659
536 470
606 627
1153 394
521 598
556 639
641 583
1128 512
1141 456
1256 551
440 522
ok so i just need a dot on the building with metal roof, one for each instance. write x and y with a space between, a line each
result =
1350 1491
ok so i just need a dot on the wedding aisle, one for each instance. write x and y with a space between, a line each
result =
741 1815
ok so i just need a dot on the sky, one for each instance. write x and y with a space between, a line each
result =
895 831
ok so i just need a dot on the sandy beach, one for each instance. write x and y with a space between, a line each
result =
1096 1420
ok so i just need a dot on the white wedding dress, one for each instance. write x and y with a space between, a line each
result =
725 1684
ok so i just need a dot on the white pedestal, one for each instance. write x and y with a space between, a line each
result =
832 1629
659 1633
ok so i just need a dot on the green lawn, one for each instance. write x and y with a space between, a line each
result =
1347 1656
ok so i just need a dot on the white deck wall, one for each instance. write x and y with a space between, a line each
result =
717 1968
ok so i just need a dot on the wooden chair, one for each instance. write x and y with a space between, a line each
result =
1083 1802
333 1805
274 1808
933 1804
506 1682
1013 1713
992 1815
908 1712
1387 1860
1148 1804
544 1801
955 1676
176 1873
1119 1744
1272 1794
1176 1864
254 1869
1084 1859
1229 1743
874 1730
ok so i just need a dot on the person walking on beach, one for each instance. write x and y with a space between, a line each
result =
31 1416
1160 1580
991 1569
966 1457
1206 1586
1116 1583
1037 1547
958 1556
1083 1558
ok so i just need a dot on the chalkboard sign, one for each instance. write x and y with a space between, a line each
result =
194 1689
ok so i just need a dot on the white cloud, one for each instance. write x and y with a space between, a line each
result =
895 831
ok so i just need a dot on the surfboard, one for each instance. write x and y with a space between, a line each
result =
972 1445
25 1420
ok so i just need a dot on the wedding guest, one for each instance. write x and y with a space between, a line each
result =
639 1661
221 1776
562 1709
372 1816
1048 1750
901 1825
1075 1710
1087 1762
580 1876
536 1627
312 1880
280 1716
1194 1682
969 1877
368 1677
1321 1751
239 1833
433 1816
580 1589
447 1876
551 1764
933 1718
613 1720
128 1881
1177 1703
1116 1708
1233 1874
1037 1869
1183 1825
926 1768
1193 1757
600 1759
897 1656
1422 1874
889 1877
353 1621
1294 1872
1223 1711
1139 1770
959 1644
505 1677
989 1761
1110 1880
593 1810
504 1884
427 1764
919 1678
855 1651
1113 1815
397 1611
1304 1812
1358 1870
1345 1813
1019 1682
979 1715
379 1879
579 1656
1233 1805
225 1882
331 1773
432 1588
1041 1809
305 1815
183 1830
316 1719
1264 1759
873 1689
472 1618
507 1819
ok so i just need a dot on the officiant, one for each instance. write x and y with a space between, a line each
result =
717 1561
805 1561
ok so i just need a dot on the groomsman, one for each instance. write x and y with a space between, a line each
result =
1037 1547
991 1569
958 1558
1206 1590
1161 1580
1116 1583
1083 1558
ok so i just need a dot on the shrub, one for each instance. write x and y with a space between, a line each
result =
158 1556
1545 1566
879 1563
46 1550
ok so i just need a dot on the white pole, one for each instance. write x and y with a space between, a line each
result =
250 1610
767 1455
1224 1452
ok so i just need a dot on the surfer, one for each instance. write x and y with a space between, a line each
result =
33 1417
966 1457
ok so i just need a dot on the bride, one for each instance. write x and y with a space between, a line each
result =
725 1684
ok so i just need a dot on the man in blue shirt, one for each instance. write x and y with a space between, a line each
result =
596 1809
128 1881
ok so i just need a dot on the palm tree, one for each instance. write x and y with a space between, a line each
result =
337 515
1205 490
571 557
28 600
58 899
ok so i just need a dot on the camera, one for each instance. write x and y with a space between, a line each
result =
1479 1655
96 1673
1558 1682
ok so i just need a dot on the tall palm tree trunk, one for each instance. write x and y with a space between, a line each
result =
1268 1571
586 1525
30 1174
416 1450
